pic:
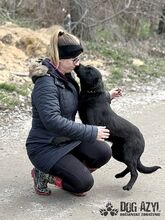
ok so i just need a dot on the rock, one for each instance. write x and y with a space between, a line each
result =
7 39
32 46
137 62
2 66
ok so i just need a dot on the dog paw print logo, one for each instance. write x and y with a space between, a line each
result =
109 210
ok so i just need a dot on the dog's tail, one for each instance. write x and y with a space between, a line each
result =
143 169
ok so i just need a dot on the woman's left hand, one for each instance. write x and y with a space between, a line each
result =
116 92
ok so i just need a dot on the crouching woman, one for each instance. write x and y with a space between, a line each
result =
63 152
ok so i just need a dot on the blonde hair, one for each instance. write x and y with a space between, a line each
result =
60 37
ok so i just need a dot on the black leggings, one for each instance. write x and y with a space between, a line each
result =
73 167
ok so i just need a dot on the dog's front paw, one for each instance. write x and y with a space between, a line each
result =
127 187
103 212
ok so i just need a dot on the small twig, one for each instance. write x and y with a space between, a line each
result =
128 4
25 74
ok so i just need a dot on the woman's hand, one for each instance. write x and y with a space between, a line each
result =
103 133
115 93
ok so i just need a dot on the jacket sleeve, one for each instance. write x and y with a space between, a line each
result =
46 100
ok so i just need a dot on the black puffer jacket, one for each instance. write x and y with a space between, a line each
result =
54 105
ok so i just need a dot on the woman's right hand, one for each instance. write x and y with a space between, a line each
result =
103 133
116 92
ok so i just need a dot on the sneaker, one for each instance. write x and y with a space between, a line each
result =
55 180
40 182
58 182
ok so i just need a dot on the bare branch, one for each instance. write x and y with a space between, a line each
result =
128 4
107 19
78 22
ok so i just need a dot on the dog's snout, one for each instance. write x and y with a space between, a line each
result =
77 70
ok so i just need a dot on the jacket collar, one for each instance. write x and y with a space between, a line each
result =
45 67
52 70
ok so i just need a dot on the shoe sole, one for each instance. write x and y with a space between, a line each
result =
80 194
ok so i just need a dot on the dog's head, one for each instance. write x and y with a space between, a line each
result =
90 78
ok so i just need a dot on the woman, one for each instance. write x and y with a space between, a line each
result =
63 151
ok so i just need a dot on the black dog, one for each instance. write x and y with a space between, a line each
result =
94 108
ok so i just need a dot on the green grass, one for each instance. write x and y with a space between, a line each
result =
20 21
7 101
152 68
107 50
125 30
10 94
144 31
26 23
119 61
20 89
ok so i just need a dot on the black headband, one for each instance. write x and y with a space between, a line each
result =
69 51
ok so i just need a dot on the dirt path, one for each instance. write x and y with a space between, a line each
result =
18 201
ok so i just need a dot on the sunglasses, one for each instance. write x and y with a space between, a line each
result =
76 60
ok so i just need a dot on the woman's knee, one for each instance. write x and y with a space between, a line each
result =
104 154
84 184
107 152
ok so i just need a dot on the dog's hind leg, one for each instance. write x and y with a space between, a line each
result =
134 175
123 173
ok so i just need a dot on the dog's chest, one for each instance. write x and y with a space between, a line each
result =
94 112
